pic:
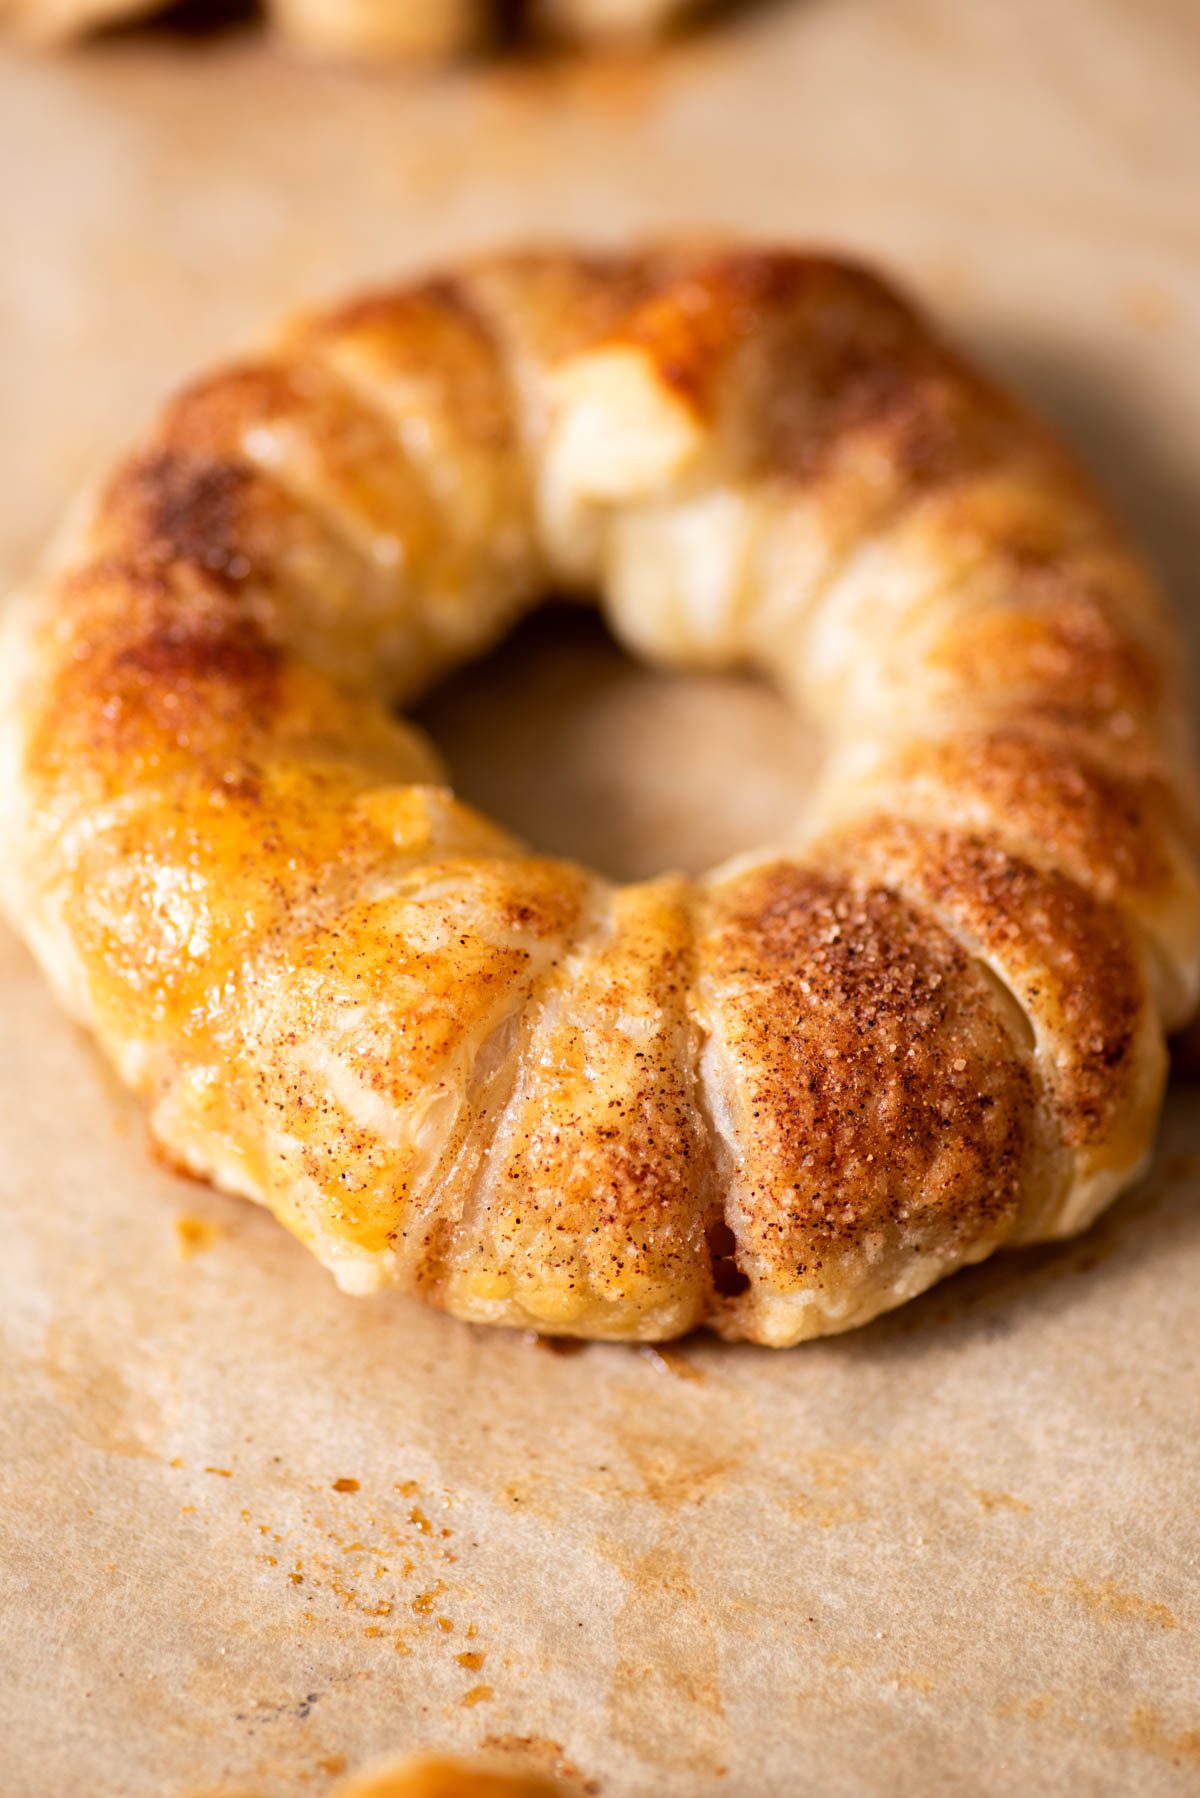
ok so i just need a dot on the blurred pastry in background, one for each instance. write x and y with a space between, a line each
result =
428 31
437 1776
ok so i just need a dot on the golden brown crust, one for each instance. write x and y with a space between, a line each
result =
592 1216
1072 966
779 1100
360 1041
877 1113
1053 794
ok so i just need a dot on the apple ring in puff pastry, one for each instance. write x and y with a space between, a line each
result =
777 1100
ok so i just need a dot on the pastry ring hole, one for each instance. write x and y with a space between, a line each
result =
564 738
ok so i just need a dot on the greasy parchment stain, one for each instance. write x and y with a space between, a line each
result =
667 1663
541 1754
680 1470
100 1404
1149 1731
918 1680
1105 1600
1000 1501
828 1474
1146 1729
683 1450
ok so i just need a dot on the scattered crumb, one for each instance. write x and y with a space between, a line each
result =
668 1360
195 1234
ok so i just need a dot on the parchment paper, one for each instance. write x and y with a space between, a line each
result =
254 1531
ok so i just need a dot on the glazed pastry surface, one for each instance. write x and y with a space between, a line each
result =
777 1100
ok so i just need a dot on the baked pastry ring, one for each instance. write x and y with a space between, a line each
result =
777 1100
374 30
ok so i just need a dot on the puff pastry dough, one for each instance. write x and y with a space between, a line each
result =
777 1100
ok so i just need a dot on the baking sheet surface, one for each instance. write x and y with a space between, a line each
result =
255 1532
